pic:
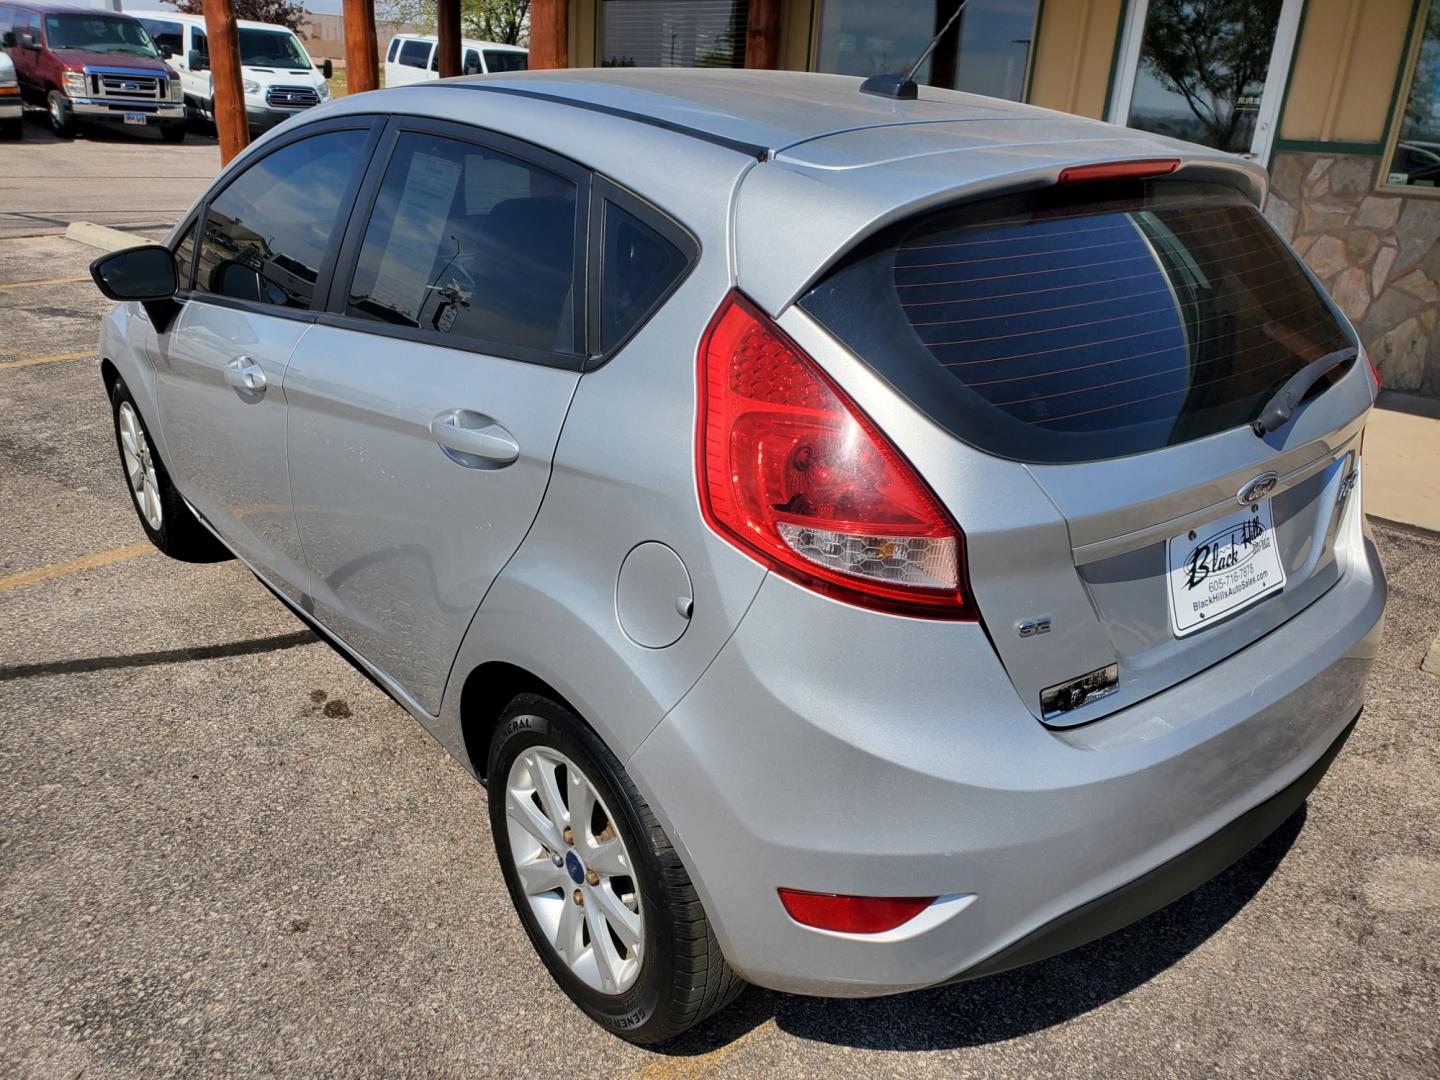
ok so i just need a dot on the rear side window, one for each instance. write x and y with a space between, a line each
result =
1048 329
504 60
638 267
267 232
415 53
467 242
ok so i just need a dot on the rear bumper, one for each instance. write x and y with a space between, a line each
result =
836 750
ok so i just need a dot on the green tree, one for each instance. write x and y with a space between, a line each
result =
1214 54
282 12
503 21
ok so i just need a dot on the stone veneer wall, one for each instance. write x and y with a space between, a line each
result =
1375 252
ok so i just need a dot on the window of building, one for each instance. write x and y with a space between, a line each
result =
470 243
673 33
1415 160
266 233
986 52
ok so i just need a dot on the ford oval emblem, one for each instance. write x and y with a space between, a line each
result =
129 86
1259 489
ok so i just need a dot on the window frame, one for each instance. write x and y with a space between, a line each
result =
333 312
1404 84
606 190
328 264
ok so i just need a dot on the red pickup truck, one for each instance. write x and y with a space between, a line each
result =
87 65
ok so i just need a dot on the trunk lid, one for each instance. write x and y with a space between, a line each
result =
1102 350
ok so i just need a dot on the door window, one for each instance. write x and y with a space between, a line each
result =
414 53
199 42
266 234
472 62
394 48
468 242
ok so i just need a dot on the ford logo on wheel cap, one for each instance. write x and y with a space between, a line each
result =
1259 489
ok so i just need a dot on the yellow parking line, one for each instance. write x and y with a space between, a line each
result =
87 562
57 358
37 284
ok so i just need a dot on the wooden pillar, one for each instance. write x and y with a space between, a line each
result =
762 35
549 33
362 55
226 92
447 28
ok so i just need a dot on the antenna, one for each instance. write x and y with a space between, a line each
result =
903 87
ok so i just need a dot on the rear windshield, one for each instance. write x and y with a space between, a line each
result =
1044 328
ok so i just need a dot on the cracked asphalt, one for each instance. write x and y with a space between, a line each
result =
224 853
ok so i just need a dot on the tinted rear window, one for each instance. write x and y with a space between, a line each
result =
1043 328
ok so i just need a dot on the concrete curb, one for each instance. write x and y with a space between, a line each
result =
102 237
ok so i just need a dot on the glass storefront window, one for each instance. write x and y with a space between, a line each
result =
986 53
673 33
1416 160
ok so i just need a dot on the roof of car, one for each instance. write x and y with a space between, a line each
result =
466 41
770 110
199 20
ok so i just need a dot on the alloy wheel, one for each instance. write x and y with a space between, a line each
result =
574 869
139 466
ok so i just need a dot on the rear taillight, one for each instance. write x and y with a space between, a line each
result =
794 474
1374 371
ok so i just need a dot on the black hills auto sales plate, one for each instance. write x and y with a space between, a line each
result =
1222 567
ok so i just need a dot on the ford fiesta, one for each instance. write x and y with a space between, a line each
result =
862 543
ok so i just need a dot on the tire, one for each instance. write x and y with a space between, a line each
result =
173 133
13 129
163 515
62 120
680 977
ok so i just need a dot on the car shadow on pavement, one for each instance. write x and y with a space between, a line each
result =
1012 1003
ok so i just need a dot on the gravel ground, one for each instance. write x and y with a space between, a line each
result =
222 852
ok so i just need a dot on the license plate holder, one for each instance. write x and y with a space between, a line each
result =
139 118
1221 568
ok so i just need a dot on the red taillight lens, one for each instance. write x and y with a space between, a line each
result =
1118 170
852 914
1374 371
792 472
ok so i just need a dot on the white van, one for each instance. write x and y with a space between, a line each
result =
414 58
279 77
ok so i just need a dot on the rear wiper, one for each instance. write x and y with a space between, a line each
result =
1281 407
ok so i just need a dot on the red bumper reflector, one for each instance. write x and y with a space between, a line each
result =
1118 170
852 914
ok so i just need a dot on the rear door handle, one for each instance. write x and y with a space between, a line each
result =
474 440
245 375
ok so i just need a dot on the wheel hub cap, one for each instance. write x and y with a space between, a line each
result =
139 466
574 869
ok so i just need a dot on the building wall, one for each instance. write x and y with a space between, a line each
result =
1074 51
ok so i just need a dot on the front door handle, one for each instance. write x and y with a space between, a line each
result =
474 440
245 375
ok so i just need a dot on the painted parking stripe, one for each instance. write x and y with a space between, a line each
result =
37 284
30 361
86 562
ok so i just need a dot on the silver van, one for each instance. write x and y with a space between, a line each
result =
862 543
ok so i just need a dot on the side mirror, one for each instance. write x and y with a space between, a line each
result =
327 69
197 61
165 52
142 273
472 68
27 41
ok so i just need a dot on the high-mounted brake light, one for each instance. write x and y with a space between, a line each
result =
1118 170
794 474
852 914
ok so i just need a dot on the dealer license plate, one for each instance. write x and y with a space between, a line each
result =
136 118
1223 567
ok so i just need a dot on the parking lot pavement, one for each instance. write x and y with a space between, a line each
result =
224 852
120 178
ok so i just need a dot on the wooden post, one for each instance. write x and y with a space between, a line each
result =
226 92
549 33
447 23
362 55
762 35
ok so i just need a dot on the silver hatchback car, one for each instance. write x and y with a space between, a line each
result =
861 543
